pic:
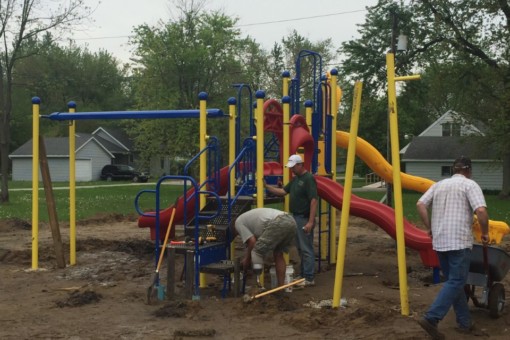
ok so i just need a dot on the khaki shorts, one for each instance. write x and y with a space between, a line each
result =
278 236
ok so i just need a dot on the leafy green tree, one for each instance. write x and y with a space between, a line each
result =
293 46
197 52
365 60
462 53
95 81
476 33
20 22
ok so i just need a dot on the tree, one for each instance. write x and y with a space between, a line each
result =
462 52
197 52
283 57
95 81
478 34
365 60
21 21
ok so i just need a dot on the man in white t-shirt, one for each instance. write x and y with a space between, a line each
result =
263 230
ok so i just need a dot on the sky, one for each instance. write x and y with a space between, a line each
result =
266 21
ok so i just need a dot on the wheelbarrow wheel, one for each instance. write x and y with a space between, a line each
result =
496 300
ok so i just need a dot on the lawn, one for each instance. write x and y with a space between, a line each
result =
109 197
499 210
91 199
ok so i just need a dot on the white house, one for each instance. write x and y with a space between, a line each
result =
93 151
431 154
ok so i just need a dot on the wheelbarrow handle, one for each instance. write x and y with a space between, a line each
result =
486 261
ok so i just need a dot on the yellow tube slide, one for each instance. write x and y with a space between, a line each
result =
375 161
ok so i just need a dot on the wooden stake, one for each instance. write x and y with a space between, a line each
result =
50 204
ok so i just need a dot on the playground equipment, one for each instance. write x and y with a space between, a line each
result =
300 132
207 207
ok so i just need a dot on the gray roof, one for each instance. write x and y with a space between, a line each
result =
448 148
121 136
55 146
112 147
59 146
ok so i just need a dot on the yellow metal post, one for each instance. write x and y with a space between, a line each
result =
202 96
35 182
308 113
285 154
397 181
286 82
72 186
232 154
232 139
334 109
259 124
286 146
346 203
397 184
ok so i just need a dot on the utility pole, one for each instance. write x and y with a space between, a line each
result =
389 186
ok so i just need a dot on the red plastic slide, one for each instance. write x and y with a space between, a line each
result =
377 213
381 215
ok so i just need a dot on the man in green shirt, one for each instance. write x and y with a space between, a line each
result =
303 206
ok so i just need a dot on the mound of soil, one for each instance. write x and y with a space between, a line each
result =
77 299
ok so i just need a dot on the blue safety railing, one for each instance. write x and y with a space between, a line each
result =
190 196
212 149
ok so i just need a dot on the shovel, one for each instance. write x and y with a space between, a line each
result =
248 298
152 290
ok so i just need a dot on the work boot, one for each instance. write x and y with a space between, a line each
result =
304 284
473 330
431 329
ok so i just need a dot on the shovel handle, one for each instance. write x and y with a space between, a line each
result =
161 255
279 288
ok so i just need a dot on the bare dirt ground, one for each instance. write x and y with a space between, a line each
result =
103 295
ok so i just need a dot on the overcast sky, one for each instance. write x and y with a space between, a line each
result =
267 21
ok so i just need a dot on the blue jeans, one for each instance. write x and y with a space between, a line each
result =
305 248
455 267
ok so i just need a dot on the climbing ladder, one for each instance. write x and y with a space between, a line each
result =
206 246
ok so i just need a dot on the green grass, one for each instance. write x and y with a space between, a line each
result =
499 210
113 199
89 201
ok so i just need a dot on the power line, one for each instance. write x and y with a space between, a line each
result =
100 38
247 25
302 18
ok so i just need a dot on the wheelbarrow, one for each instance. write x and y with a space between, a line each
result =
489 265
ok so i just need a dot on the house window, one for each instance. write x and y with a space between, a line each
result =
446 171
451 129
455 129
446 130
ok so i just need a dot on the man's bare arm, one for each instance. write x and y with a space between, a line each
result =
424 215
483 219
275 190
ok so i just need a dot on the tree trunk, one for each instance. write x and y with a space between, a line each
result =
5 141
4 162
505 188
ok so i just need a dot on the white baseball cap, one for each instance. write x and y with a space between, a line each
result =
293 160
